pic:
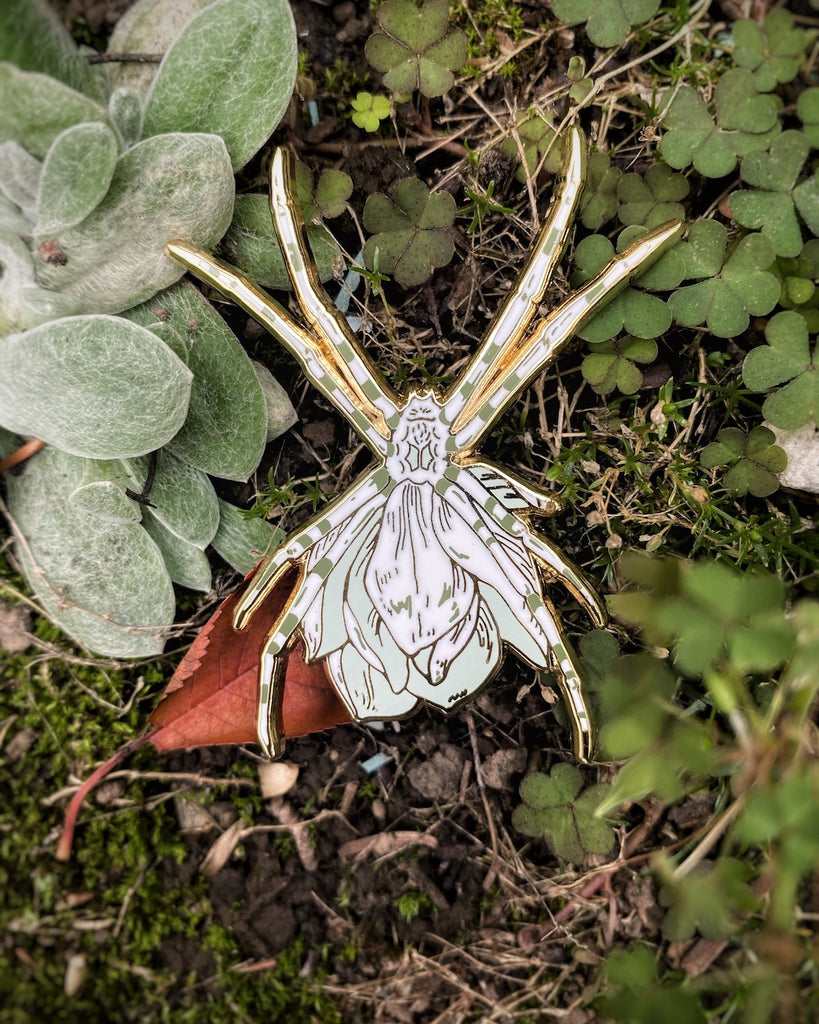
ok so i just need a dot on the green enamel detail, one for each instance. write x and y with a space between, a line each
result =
322 568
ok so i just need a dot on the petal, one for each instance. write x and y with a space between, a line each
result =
365 692
348 547
417 587
469 671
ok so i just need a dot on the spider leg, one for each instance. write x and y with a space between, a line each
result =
310 354
502 561
349 367
557 565
314 568
512 491
297 545
511 322
569 679
510 373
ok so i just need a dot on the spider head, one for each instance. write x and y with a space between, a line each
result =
419 440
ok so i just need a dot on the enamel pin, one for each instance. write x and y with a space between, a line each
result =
416 578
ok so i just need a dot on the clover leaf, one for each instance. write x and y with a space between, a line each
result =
599 202
608 22
539 141
416 47
611 364
638 313
652 200
772 50
755 460
807 110
773 207
581 85
327 198
553 811
799 277
747 122
412 232
370 111
710 900
731 292
786 357
708 614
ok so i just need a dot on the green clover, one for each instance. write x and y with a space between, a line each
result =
771 51
773 208
611 364
732 291
539 141
707 614
652 200
807 110
786 357
412 233
328 198
799 277
746 123
711 900
632 310
599 202
581 85
416 47
608 22
553 811
755 460
370 111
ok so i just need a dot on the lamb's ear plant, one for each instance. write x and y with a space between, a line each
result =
137 385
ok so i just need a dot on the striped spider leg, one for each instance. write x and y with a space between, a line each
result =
414 581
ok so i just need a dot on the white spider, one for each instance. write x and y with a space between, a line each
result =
413 580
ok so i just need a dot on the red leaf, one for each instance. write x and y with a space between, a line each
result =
211 697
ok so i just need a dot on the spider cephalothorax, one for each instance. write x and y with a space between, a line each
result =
413 581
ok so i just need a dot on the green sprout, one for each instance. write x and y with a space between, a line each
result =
370 111
416 47
799 277
325 199
412 233
581 85
755 460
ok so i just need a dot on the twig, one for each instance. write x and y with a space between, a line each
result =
125 58
25 451
493 835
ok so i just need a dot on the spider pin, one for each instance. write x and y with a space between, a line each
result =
414 579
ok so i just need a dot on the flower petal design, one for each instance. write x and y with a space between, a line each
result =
418 588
